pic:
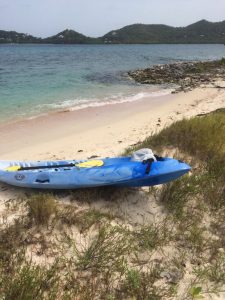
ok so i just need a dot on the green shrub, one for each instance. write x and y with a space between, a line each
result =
40 208
151 237
106 251
141 285
222 62
28 282
12 238
82 219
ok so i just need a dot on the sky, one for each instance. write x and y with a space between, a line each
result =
94 18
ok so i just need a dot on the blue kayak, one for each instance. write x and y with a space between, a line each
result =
72 174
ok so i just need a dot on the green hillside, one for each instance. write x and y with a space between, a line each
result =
15 37
69 37
140 33
205 32
202 32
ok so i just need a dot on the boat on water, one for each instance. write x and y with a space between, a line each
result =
139 170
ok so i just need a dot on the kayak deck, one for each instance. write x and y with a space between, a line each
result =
67 174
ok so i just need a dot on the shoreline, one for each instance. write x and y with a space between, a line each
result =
102 130
78 105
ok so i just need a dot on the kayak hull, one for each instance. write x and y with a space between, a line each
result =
121 172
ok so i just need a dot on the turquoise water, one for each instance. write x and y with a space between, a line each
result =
35 79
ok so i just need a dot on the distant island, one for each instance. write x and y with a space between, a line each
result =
202 32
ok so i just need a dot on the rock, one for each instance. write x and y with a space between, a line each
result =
136 144
173 276
186 75
93 156
219 87
221 250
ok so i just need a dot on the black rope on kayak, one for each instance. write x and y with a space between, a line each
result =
46 167
149 164
158 158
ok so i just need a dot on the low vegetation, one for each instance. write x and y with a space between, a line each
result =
40 208
74 250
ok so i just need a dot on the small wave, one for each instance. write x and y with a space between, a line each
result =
77 104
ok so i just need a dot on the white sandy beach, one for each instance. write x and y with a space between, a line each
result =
102 131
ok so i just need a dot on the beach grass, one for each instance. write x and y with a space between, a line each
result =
41 207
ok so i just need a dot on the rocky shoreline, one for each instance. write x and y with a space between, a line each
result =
185 75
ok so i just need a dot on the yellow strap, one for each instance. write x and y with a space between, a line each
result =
13 168
90 164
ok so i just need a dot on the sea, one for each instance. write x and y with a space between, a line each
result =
39 79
